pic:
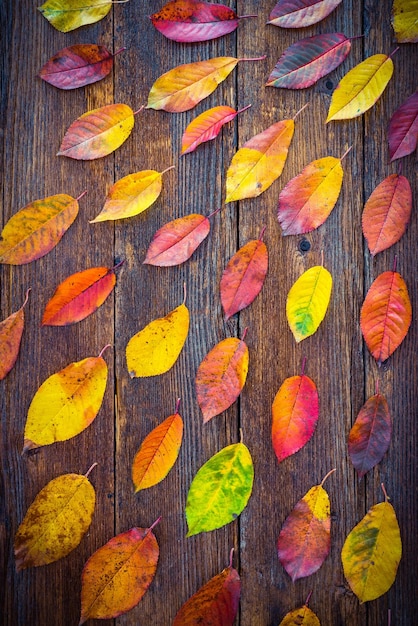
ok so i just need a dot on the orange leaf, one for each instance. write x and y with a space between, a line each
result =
221 376
387 212
37 228
207 126
386 315
11 330
158 453
118 574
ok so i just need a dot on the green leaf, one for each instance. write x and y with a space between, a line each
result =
220 490
66 15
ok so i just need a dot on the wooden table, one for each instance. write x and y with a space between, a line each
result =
35 116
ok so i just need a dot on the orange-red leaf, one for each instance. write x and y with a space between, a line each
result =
76 66
158 453
214 604
118 574
221 376
244 276
387 212
301 13
403 128
78 296
207 126
386 315
295 415
176 241
11 330
370 435
36 229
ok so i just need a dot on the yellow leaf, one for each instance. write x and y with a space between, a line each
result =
307 301
371 553
155 349
360 88
66 15
259 162
131 195
405 20
55 522
302 616
66 403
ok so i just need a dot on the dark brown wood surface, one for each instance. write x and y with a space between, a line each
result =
35 117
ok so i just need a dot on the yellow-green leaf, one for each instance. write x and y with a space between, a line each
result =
155 348
55 522
360 88
66 15
307 301
371 553
405 20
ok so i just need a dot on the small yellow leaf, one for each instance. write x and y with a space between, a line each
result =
155 348
66 15
307 301
303 616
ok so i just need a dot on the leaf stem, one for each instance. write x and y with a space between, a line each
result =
300 110
231 556
394 52
255 58
108 345
302 369
385 492
115 267
329 474
376 388
346 152
184 292
241 436
172 167
155 523
356 37
244 17
395 262
81 195
263 230
214 212
141 108
309 597
244 109
90 469
244 334
119 51
26 297
178 404
389 616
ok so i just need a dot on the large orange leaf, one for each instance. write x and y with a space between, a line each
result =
387 212
78 296
181 88
207 126
11 330
98 132
221 376
36 229
386 315
118 574
66 403
158 452
305 537
55 522
405 20
301 13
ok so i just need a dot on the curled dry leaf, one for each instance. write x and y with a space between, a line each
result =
36 229
403 129
66 15
301 13
55 522
207 126
117 575
11 330
77 66
405 20
307 302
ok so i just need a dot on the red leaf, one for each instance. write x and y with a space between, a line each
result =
303 63
386 315
11 330
370 435
403 128
244 276
301 13
387 212
78 65
214 604
295 415
207 126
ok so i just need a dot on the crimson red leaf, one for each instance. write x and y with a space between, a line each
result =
301 13
303 63
78 65
403 128
370 435
387 212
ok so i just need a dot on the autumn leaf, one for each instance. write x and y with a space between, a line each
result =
372 551
307 302
207 126
305 538
370 435
403 129
97 133
386 213
220 490
301 13
295 415
158 452
405 20
11 330
302 616
131 195
79 295
191 21
55 522
117 575
36 229
216 603
221 376
176 241
66 15
308 199
243 277
77 66
303 63
155 348
360 88
66 403
184 86
385 315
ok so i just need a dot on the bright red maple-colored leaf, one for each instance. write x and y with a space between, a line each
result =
11 330
403 128
301 13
